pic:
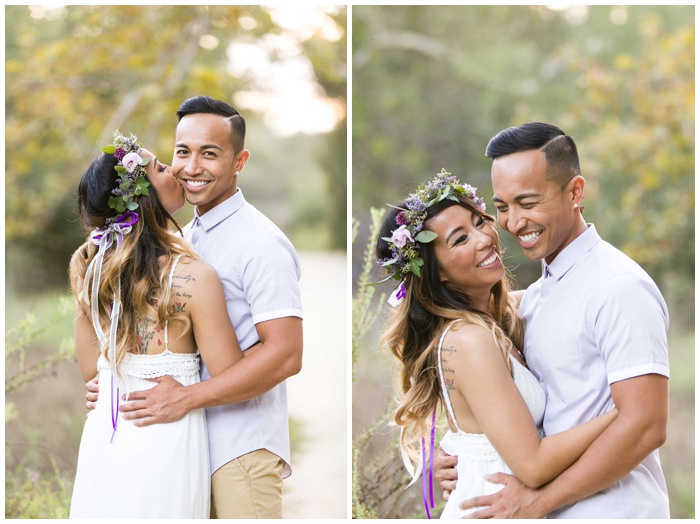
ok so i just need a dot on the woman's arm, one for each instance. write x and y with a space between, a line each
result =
86 344
211 324
482 378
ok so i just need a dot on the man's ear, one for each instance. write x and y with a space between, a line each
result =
576 186
241 158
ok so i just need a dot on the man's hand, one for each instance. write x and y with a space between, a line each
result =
446 472
163 403
93 388
514 501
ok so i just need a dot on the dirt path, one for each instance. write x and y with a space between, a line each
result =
318 487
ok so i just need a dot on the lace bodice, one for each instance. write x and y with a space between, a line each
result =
152 366
477 444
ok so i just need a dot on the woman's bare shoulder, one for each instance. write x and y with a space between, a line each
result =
195 275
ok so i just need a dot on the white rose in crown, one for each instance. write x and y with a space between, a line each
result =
400 236
131 161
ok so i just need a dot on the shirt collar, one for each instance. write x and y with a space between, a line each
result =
572 253
220 212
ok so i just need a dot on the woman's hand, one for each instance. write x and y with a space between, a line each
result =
93 389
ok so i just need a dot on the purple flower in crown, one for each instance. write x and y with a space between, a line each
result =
401 219
414 203
120 153
128 219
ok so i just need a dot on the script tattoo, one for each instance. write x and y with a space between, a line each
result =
447 371
180 283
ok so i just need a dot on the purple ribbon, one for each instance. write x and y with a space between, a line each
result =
115 414
116 230
428 475
402 290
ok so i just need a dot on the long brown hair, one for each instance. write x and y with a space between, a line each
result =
137 271
414 329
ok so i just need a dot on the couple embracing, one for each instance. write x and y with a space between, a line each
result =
151 300
556 397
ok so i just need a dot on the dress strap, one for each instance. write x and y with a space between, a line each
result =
170 284
445 393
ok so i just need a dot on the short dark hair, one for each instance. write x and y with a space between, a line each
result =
206 104
558 147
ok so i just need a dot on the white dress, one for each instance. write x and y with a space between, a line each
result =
158 471
476 457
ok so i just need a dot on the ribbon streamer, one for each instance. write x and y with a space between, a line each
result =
104 237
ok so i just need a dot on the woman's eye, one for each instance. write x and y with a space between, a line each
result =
460 239
480 222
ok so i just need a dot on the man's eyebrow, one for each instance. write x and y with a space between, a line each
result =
517 198
204 146
155 161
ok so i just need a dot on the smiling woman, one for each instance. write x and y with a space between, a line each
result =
458 339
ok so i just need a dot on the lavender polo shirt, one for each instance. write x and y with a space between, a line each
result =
260 271
595 318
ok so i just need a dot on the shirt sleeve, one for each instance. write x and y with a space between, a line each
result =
630 327
271 273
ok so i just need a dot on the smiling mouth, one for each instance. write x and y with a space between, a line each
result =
530 237
195 183
488 261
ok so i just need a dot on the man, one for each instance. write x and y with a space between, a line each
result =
595 337
259 269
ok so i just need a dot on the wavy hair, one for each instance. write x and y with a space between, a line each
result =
413 330
137 271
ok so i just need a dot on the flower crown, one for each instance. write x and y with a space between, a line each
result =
132 170
405 238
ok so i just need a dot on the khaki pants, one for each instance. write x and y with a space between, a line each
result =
249 487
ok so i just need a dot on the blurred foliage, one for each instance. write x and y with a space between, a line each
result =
18 340
431 86
30 494
364 314
30 490
75 73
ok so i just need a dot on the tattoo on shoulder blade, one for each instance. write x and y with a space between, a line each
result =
144 335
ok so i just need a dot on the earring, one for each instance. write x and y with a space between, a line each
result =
238 173
575 206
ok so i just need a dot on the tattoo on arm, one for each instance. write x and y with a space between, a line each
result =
180 283
447 371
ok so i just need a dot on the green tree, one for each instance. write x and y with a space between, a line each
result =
76 73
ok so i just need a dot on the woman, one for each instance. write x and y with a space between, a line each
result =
457 336
146 307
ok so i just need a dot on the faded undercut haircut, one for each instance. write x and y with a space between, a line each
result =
208 105
558 147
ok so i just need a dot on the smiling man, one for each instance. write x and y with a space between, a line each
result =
595 338
259 269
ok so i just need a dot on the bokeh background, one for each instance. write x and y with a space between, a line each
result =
431 86
75 73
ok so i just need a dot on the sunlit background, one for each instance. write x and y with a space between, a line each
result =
76 73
